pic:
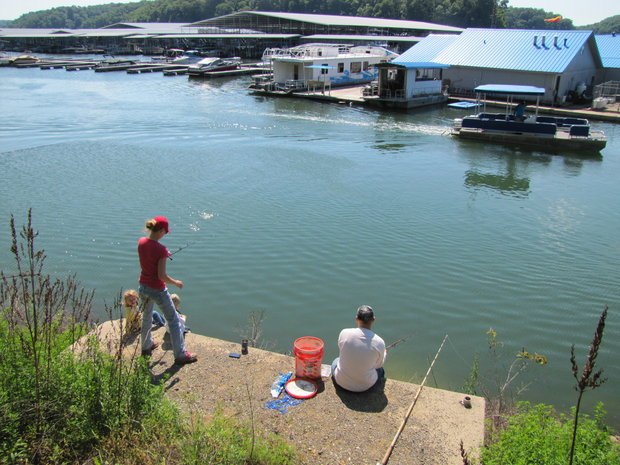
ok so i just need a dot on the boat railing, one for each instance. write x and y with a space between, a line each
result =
510 126
295 84
301 52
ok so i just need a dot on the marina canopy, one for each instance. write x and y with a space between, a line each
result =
510 89
307 24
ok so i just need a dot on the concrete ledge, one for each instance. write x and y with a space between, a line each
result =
335 426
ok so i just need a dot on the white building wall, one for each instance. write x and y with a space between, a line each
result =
581 69
470 78
425 88
410 83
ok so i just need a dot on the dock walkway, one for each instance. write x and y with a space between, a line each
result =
335 427
353 96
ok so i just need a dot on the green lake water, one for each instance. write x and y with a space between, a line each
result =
307 210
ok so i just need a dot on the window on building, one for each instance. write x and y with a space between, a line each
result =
365 66
356 66
324 70
341 67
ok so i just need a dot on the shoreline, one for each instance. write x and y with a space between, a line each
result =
335 426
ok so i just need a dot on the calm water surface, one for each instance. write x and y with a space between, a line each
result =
307 210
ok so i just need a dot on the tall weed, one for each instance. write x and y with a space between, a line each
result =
64 401
56 402
536 434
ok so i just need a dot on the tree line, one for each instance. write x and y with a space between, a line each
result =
460 13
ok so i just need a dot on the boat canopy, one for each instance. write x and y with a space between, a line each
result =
511 92
510 89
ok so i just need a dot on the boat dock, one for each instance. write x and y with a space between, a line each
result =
156 68
611 115
228 73
351 95
168 69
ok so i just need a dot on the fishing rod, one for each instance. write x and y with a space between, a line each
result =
398 341
179 249
386 457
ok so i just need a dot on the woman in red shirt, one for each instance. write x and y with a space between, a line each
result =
153 280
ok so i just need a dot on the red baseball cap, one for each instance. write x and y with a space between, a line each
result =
161 222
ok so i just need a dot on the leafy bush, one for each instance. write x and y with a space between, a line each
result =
537 435
64 402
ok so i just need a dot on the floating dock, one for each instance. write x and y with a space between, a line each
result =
228 73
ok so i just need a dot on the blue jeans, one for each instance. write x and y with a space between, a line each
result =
158 319
151 296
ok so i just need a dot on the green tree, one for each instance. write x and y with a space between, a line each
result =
534 18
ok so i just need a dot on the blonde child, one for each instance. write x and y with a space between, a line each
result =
133 316
176 300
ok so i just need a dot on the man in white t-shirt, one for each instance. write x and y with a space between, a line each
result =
362 354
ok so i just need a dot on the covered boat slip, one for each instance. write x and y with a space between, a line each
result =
548 132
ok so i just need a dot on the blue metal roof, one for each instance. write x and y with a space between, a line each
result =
609 49
426 50
510 89
547 51
414 65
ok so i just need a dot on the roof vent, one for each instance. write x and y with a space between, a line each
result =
555 42
543 41
535 41
565 42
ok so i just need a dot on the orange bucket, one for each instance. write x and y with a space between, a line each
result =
308 357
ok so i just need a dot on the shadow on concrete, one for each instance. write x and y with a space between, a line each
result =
166 377
373 400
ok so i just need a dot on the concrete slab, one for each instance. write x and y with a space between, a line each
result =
334 427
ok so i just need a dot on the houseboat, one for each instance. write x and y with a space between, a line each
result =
549 133
321 65
405 85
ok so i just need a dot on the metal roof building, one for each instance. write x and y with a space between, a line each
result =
555 60
306 24
427 49
245 34
609 50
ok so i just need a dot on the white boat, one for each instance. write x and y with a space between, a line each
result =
322 65
551 133
113 62
189 57
213 64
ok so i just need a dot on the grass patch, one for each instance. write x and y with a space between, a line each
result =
536 434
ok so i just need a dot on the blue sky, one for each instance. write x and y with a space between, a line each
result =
580 11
